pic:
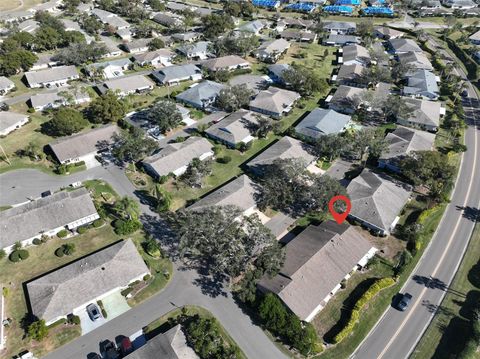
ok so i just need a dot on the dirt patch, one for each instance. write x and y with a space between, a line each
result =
388 247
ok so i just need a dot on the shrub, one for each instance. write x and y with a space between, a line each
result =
23 254
102 308
126 227
97 223
37 330
146 277
19 255
31 110
5 291
126 291
217 149
74 319
68 249
82 230
62 234
364 299
37 241
152 248
224 159
162 179
59 252
3 254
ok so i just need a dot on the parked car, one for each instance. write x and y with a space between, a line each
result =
126 346
403 301
93 312
464 93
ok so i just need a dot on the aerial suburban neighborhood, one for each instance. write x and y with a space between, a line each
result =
261 179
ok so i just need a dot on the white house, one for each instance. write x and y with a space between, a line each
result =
6 85
10 121
54 77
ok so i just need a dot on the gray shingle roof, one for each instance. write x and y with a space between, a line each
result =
203 93
404 140
350 73
235 127
355 52
83 143
421 82
425 112
45 214
404 45
322 122
49 75
51 98
128 83
346 96
377 199
417 60
274 100
5 83
176 72
224 62
169 345
137 44
58 293
342 39
240 192
8 119
192 49
286 148
152 55
176 155
339 26
272 47
316 261
252 26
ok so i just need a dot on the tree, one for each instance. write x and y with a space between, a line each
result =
47 38
24 39
288 186
216 25
106 108
38 330
220 239
233 98
12 62
165 114
265 125
239 9
68 248
395 107
195 172
367 142
65 122
157 5
235 44
71 6
72 37
375 74
430 169
400 70
365 29
126 208
133 145
330 146
272 312
90 24
304 80
80 53
155 44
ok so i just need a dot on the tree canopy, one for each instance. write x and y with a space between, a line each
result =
220 239
233 98
80 53
66 121
196 171
304 80
165 114
106 108
235 44
216 25
133 145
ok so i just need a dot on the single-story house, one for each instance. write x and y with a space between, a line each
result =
401 142
271 51
124 34
43 101
190 36
137 46
109 69
10 121
168 19
427 5
387 33
275 72
475 38
46 216
300 36
415 60
70 288
298 23
354 55
377 201
52 6
252 27
112 47
161 57
16 16
422 83
109 18
29 26
339 27
460 4
274 102
426 114
177 73
321 122
225 63
236 128
175 157
44 62
196 51
285 148
127 85
256 83
241 192
6 85
54 77
350 75
171 344
201 95
316 262
341 40
83 146
346 99
400 46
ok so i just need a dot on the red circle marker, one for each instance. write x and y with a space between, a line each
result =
339 217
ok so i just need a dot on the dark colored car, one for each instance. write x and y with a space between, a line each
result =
403 301
464 93
93 312
108 349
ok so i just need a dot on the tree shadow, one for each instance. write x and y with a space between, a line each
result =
435 283
159 229
453 340
474 275
470 304
212 286
437 309
146 198
470 213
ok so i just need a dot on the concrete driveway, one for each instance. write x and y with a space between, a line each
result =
87 324
115 304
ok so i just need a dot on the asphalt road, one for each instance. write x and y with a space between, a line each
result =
397 333
186 287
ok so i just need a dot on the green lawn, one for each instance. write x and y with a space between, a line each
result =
450 325
161 325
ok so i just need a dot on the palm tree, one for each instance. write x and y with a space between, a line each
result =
127 208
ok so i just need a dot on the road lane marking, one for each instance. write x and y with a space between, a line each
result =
422 293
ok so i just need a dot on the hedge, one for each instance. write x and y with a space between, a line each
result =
425 214
37 241
364 299
62 234
224 159
74 319
98 223
126 291
82 230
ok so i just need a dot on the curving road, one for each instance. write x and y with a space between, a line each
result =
397 333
